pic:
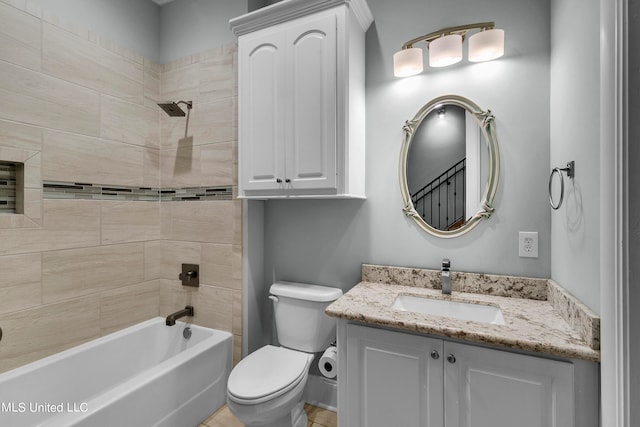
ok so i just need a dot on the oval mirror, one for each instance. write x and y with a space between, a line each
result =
449 166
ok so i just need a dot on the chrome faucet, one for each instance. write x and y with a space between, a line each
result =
445 276
187 311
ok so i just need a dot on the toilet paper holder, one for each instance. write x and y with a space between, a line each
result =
328 363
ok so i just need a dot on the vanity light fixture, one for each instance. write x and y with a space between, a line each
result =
445 48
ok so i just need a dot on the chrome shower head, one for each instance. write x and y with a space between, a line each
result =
173 109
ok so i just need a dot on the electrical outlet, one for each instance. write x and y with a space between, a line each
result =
528 244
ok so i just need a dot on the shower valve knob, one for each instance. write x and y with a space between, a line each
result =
189 275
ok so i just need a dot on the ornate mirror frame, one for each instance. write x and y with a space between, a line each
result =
486 122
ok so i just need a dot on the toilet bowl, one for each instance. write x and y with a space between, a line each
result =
266 388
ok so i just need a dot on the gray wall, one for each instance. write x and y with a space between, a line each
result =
256 312
160 33
634 205
257 4
523 132
133 24
325 242
192 26
575 135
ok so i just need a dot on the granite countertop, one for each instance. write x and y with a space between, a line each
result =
539 315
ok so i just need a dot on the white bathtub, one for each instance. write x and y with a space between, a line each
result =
145 375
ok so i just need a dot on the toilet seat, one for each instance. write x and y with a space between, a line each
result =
267 373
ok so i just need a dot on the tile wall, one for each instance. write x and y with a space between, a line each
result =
81 113
206 232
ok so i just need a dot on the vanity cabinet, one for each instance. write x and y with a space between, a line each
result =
395 378
301 99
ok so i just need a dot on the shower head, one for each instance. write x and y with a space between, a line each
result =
173 109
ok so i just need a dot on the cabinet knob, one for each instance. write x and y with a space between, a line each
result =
287 180
278 180
451 358
435 355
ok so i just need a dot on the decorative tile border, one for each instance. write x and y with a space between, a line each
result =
7 187
196 193
78 190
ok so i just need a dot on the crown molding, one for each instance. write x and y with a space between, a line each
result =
287 10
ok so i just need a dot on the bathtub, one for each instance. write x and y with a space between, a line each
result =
145 375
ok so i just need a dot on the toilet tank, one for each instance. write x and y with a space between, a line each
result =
299 313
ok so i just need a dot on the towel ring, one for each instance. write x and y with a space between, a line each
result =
571 172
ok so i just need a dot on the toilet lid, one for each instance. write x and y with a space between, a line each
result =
267 372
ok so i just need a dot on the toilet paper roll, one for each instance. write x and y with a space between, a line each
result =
328 363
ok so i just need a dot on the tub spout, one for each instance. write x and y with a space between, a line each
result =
187 311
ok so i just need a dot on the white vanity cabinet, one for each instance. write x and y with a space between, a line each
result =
301 99
398 379
391 380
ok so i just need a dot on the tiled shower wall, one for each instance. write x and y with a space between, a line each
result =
204 232
78 109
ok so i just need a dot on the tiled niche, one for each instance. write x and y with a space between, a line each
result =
20 187
10 193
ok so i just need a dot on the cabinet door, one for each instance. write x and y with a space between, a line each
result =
392 380
311 124
261 109
491 388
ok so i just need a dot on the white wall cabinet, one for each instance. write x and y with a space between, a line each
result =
301 99
394 378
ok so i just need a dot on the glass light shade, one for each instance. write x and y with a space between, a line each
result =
446 50
486 45
407 62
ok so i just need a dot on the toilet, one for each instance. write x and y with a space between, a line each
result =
266 388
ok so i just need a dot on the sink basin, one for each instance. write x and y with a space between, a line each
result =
448 308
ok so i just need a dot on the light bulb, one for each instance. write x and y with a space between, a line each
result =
486 45
407 62
446 50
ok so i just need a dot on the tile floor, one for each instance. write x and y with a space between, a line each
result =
318 417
